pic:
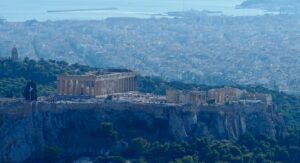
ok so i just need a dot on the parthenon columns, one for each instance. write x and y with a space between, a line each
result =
76 85
59 87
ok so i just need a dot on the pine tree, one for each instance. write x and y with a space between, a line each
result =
30 91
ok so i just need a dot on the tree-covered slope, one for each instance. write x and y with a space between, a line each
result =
14 75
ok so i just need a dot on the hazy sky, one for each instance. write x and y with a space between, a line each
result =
20 10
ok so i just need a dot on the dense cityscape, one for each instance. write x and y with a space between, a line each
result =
196 48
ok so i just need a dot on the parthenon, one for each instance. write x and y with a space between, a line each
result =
96 84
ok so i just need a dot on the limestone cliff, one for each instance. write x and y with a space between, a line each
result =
26 128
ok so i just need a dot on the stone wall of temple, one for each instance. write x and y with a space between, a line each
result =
186 97
224 95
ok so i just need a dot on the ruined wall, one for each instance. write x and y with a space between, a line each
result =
26 128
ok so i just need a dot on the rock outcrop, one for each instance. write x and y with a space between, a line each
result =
26 128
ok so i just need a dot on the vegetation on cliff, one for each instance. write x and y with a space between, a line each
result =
14 75
247 149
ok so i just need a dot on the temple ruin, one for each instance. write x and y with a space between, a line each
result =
219 96
97 83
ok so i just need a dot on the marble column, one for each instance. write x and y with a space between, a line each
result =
122 85
118 83
70 87
114 84
110 88
81 90
127 84
59 87
103 86
94 88
86 88
63 87
81 87
99 88
135 83
76 88
131 84
66 91
106 85
90 88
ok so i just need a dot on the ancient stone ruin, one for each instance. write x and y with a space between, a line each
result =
218 96
96 84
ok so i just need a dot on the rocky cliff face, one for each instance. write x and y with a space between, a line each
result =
27 128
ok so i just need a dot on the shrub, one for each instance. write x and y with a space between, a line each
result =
138 147
52 154
106 131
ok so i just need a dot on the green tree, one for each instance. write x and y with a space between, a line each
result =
52 154
106 131
30 91
140 160
9 94
138 147
187 159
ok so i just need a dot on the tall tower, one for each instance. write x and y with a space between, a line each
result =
14 54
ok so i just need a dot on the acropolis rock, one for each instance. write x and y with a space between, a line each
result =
27 127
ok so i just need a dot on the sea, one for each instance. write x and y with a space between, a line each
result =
43 10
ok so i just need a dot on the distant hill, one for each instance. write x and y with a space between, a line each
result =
287 6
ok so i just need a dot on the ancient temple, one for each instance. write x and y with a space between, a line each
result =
96 84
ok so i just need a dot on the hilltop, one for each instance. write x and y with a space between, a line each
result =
111 130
